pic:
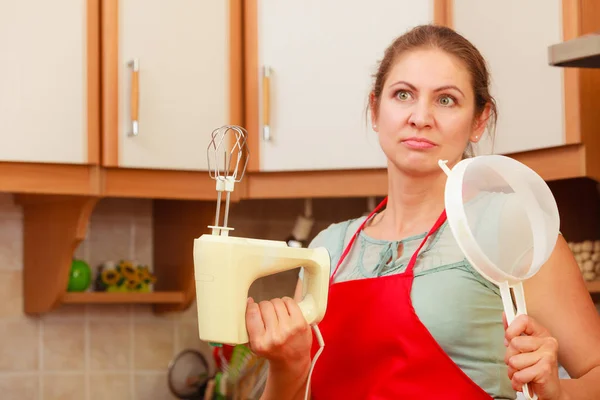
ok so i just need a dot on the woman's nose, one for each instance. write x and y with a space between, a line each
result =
421 116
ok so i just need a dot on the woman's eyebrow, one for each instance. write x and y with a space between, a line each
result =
439 89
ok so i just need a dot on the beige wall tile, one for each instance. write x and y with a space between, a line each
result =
64 386
11 241
11 293
7 203
110 240
111 386
187 338
22 353
110 345
143 240
71 312
154 345
145 312
19 387
101 312
122 207
152 386
190 313
64 346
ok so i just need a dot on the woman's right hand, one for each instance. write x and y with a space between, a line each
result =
279 332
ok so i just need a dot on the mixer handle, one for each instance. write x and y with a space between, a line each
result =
316 277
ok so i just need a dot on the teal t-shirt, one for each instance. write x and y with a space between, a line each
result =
461 309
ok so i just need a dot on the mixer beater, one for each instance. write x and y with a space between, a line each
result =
228 157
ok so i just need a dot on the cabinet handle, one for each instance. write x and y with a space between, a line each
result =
135 96
266 86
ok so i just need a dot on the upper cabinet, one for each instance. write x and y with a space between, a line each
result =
513 36
309 68
172 74
49 94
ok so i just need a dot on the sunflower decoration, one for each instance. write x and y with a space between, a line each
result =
146 278
107 277
124 276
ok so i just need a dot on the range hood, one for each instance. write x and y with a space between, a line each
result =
582 52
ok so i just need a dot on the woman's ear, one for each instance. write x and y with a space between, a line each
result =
373 110
480 124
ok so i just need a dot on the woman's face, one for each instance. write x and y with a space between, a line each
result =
426 112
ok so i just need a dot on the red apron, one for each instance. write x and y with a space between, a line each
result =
377 348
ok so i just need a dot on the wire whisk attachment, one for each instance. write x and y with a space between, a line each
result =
228 156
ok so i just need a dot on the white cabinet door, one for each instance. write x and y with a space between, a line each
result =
513 36
322 55
43 90
182 48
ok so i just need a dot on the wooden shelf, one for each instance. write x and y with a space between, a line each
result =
124 298
54 225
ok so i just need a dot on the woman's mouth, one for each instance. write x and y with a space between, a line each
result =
418 143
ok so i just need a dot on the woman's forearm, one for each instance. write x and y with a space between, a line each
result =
286 382
583 388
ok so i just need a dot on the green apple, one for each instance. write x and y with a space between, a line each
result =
80 276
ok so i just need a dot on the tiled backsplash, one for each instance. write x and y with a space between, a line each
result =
120 352
116 352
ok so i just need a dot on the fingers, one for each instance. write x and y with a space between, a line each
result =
525 351
270 324
281 311
540 373
254 322
294 311
523 324
269 315
522 344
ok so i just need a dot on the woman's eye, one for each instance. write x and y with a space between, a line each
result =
402 95
447 101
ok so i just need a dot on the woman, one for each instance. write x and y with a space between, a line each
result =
407 316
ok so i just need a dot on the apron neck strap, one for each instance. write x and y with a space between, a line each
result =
409 269
349 246
413 260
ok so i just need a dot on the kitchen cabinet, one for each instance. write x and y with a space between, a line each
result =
66 71
309 68
49 94
172 74
513 36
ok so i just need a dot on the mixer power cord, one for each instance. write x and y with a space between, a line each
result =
314 361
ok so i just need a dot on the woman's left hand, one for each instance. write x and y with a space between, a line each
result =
532 358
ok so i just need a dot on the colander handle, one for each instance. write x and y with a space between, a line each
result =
509 310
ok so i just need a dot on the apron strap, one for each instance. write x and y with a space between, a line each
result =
360 228
413 260
409 270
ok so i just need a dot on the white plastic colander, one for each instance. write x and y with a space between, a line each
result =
505 220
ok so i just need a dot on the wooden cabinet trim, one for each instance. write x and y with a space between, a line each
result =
251 86
571 28
157 184
555 163
110 83
236 63
93 81
443 12
42 178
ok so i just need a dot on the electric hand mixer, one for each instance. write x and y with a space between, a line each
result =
226 266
